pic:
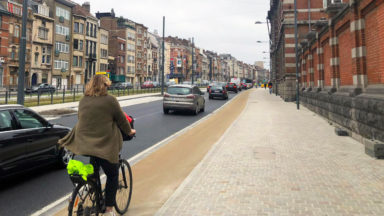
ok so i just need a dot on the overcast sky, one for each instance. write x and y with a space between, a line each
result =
225 26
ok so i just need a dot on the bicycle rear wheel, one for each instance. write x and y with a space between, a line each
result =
124 190
83 202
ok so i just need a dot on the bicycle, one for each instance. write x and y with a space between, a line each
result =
88 196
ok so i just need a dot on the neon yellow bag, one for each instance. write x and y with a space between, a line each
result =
77 167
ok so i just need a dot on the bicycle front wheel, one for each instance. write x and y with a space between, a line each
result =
124 190
84 201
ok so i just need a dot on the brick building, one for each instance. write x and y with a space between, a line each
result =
4 37
281 16
14 39
179 58
342 72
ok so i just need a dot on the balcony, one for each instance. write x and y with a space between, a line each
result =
15 40
333 6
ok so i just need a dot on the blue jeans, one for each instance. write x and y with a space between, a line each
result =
270 90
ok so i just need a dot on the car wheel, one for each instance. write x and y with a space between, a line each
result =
197 109
166 111
64 157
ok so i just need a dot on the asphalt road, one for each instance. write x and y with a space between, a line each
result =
29 193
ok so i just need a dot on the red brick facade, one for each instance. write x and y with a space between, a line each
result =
353 48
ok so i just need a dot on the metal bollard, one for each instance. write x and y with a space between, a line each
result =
51 97
64 95
74 94
38 97
6 97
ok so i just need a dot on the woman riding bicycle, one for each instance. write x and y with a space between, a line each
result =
97 133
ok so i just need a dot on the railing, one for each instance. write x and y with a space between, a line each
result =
64 95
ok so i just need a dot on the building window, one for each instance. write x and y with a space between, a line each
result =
62 30
104 53
87 30
16 32
60 64
62 47
75 61
43 10
62 12
43 33
1 21
104 39
80 61
95 32
76 27
91 31
1 76
36 58
122 46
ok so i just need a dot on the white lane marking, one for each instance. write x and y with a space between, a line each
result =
58 205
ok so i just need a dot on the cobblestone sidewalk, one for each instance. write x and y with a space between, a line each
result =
275 160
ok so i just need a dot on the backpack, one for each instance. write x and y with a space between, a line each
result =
131 121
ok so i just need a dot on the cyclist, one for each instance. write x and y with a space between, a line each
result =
97 133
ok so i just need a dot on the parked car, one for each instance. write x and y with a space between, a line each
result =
232 87
116 86
218 91
184 97
169 84
43 87
28 141
243 85
147 84
156 84
127 85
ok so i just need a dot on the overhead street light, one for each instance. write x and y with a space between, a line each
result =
259 22
262 42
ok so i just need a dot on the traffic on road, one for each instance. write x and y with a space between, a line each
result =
52 181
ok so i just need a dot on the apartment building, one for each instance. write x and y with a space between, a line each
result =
14 26
61 71
42 43
78 45
141 53
153 57
131 51
103 55
4 40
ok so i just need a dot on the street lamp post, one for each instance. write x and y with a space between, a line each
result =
297 59
193 61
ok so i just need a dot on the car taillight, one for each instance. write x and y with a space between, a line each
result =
234 86
210 91
226 86
166 95
191 96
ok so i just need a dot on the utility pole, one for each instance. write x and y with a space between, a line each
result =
193 61
297 59
23 44
162 60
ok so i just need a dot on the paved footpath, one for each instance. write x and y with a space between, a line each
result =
276 160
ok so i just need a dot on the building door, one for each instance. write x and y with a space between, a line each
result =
34 79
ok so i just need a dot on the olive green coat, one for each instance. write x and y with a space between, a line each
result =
97 131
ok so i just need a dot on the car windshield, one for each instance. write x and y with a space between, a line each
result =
217 87
179 90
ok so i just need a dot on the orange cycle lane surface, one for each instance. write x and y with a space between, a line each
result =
156 177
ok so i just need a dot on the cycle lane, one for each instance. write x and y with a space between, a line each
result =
158 175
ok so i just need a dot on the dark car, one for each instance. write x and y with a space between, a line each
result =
41 88
28 141
116 86
232 87
218 91
243 86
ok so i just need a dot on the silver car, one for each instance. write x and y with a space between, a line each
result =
184 97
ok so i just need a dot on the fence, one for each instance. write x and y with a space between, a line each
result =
44 97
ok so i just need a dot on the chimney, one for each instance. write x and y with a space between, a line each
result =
87 6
